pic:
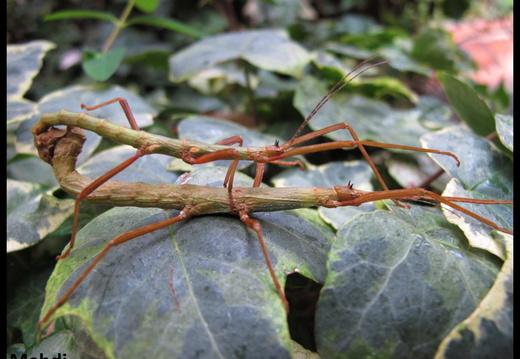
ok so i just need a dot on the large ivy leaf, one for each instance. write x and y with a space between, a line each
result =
266 49
397 284
477 232
194 288
71 99
23 64
488 331
24 168
370 119
18 110
484 173
32 214
480 160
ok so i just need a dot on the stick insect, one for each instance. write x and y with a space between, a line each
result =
194 152
60 148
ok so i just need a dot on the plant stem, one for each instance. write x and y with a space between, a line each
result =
118 26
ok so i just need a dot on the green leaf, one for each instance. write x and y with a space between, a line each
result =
17 111
31 214
358 25
81 14
436 48
215 80
329 65
488 331
167 23
388 86
64 342
23 309
401 60
467 105
301 353
478 233
435 113
24 61
480 160
348 50
397 284
23 168
484 173
218 276
504 125
103 65
147 6
266 49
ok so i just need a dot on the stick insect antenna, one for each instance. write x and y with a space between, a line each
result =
333 91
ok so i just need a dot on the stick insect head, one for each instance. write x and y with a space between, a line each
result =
348 192
273 150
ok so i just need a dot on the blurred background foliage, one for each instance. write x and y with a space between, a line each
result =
413 35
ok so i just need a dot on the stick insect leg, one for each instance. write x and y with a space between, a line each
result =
259 175
260 168
255 226
342 126
91 188
224 154
105 177
120 239
349 144
230 174
124 105
416 193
